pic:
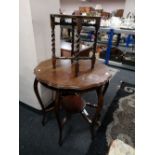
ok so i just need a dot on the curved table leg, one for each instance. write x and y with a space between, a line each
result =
100 93
57 109
35 86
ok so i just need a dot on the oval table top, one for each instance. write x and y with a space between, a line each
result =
62 77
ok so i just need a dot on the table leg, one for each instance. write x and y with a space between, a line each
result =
76 68
100 94
93 59
57 109
35 86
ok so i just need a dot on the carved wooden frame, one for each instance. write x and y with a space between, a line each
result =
76 22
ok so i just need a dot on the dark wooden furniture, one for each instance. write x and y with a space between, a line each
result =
69 88
119 13
77 22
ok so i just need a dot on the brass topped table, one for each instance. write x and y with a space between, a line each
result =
62 80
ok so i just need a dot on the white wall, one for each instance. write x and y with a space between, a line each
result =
129 7
34 45
108 5
27 55
41 10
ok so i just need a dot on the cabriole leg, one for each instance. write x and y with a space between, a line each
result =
39 99
100 94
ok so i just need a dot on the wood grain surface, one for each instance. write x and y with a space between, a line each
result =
62 77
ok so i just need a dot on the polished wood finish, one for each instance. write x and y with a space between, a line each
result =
73 103
76 22
63 76
69 88
44 109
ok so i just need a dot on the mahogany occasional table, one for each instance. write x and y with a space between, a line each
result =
62 80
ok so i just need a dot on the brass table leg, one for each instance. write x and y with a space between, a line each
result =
35 86
100 93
